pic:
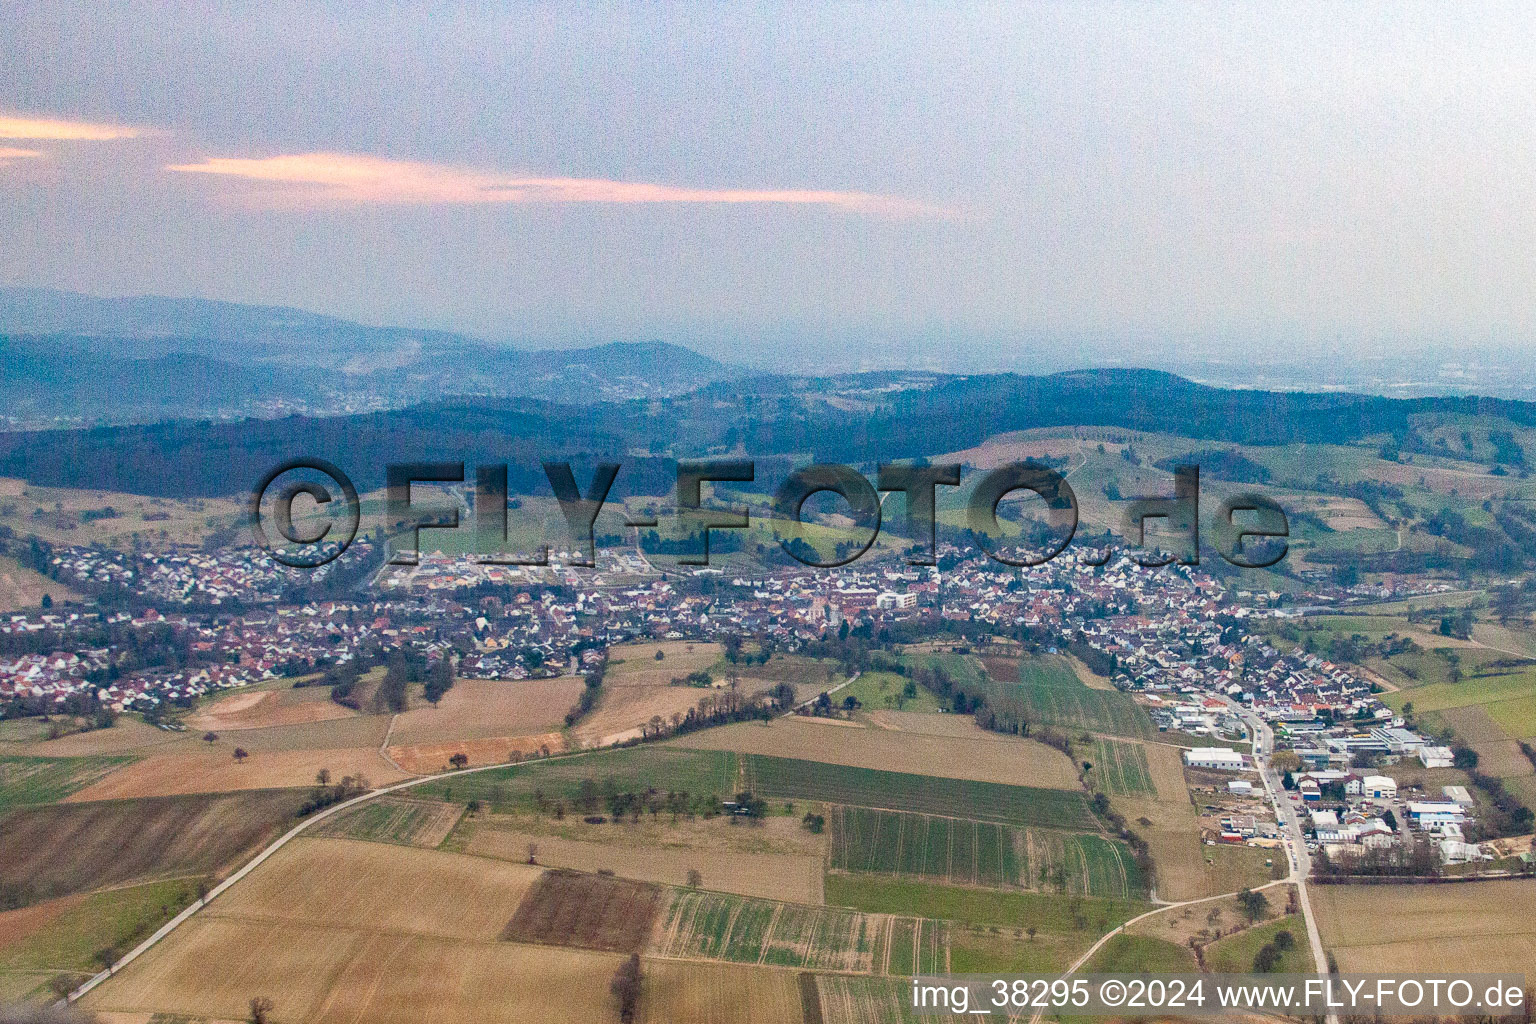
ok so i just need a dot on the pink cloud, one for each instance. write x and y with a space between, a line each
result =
9 154
15 126
364 179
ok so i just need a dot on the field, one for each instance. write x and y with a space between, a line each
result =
886 690
712 926
675 992
622 710
1120 769
1472 926
846 999
1053 695
329 975
216 771
22 589
53 514
866 787
391 819
265 708
70 931
430 758
345 884
1139 954
1497 753
789 876
665 768
1082 915
636 664
570 908
73 847
490 708
46 780
959 851
980 758
1234 954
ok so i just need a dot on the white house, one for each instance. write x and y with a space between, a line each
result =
1241 787
1429 814
1379 787
1435 757
1218 758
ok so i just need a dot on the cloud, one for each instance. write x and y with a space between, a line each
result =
18 127
365 179
9 153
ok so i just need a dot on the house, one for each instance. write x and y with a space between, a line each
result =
1310 791
1435 757
1216 758
1429 814
1240 787
1378 787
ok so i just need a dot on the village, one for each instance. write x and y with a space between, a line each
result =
1185 646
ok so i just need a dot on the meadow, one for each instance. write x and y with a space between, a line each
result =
965 852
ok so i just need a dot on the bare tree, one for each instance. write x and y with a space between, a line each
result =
695 878
241 754
626 987
106 957
261 1010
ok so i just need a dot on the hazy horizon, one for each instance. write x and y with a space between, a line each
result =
1307 178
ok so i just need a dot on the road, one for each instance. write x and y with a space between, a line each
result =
1287 814
276 845
1295 846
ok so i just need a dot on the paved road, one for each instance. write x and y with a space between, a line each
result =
1288 815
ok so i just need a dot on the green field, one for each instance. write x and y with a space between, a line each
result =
46 780
1050 914
966 674
966 852
884 690
116 919
1141 954
665 769
868 787
1234 954
1120 769
1488 690
1516 717
1051 694
716 926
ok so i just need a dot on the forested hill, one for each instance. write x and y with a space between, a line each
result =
784 417
960 412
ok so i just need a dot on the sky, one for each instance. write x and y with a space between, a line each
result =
942 184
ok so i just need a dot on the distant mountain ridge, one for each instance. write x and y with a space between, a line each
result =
775 420
327 365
